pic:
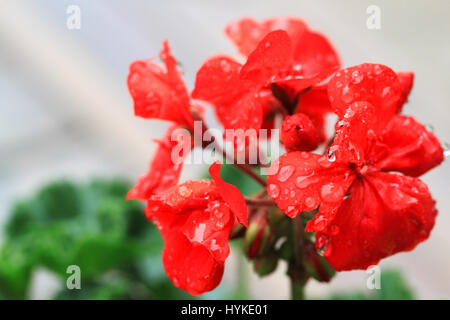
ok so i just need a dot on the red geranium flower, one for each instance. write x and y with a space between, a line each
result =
371 205
160 93
284 59
195 219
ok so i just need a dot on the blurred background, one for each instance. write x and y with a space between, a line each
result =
66 112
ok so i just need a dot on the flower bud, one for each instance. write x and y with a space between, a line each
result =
266 265
316 266
298 133
258 236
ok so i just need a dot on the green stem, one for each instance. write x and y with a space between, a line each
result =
297 271
297 291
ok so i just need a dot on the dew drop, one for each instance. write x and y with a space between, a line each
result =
331 156
322 241
310 203
377 69
323 162
274 190
225 65
347 94
331 192
320 223
386 92
446 147
305 181
184 191
285 173
357 77
219 224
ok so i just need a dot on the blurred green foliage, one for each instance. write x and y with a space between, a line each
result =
118 251
94 227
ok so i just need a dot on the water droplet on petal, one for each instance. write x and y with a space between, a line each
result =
285 173
386 92
310 203
446 147
377 69
331 192
184 191
357 77
274 190
219 224
304 181
323 162
347 94
225 65
331 156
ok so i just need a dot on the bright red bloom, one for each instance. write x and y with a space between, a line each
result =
284 58
165 168
160 93
195 219
298 133
365 213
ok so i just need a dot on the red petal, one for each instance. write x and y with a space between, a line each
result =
230 194
217 81
316 105
411 148
159 93
190 267
314 53
189 195
298 133
374 83
301 181
237 102
406 79
163 172
210 228
384 214
246 33
355 134
272 55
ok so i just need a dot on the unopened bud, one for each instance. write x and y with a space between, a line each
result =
265 265
316 266
298 133
258 236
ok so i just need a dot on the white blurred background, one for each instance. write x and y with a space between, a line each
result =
66 112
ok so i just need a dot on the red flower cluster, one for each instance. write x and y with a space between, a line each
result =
369 202
371 205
